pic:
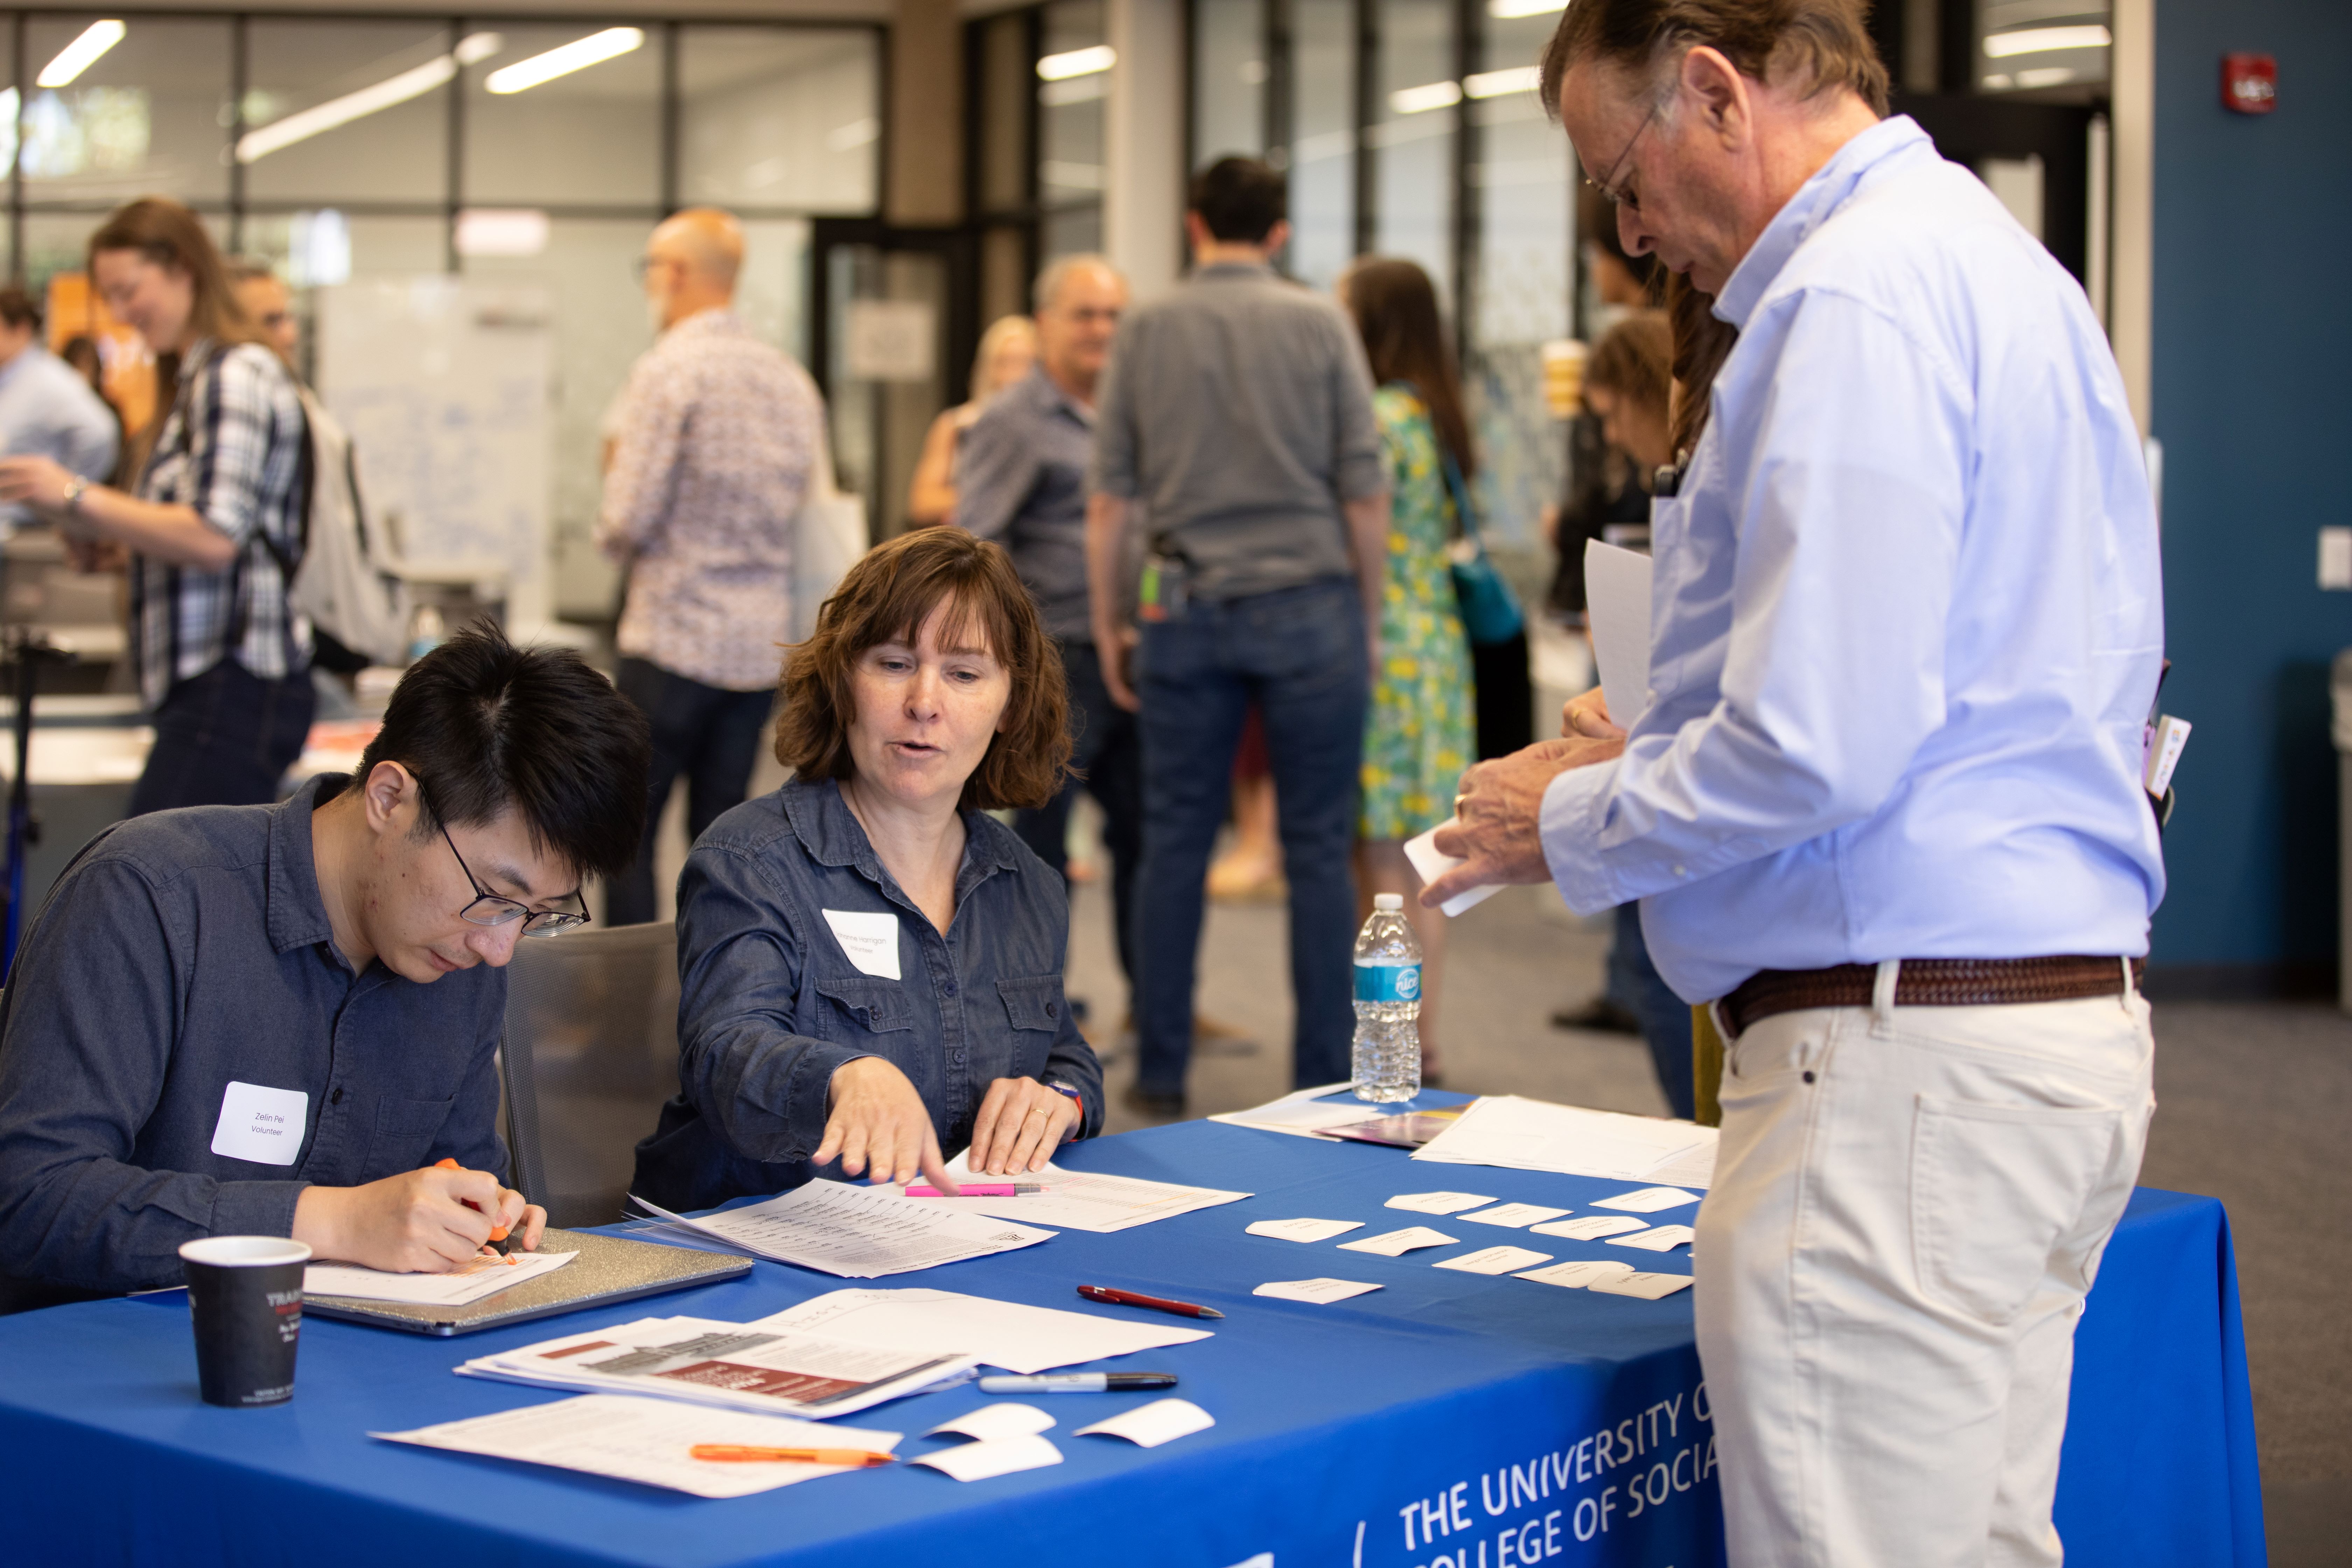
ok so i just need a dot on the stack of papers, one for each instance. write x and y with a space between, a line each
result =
858 1233
469 1282
1081 1200
646 1440
746 1367
1531 1135
1001 1333
1303 1114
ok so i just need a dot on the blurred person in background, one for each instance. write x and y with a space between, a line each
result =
1421 733
47 409
716 440
1006 351
214 526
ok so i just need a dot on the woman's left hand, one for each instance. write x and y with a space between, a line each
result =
40 480
1020 1125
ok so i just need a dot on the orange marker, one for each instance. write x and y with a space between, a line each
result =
497 1232
736 1453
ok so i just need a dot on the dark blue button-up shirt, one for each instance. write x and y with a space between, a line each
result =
181 953
770 1004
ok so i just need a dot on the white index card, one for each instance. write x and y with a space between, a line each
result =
1305 1230
1496 1260
1649 1287
1437 1203
869 939
1148 1426
994 1457
1578 1274
1512 1216
1004 1419
1648 1200
1660 1238
1397 1243
1321 1292
1591 1228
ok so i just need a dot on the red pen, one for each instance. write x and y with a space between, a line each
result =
1157 1304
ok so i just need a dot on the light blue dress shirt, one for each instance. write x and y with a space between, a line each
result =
47 410
1907 620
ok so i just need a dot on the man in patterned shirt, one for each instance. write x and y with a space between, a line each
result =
716 436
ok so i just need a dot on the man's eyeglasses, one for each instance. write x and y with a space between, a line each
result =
490 909
1615 194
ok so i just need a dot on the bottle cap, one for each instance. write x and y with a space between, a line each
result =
1388 900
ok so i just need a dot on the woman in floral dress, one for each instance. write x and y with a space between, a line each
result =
1421 733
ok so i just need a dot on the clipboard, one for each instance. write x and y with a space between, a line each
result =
609 1270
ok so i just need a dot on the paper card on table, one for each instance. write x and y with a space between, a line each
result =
1661 1238
1002 1333
647 1441
1305 1230
1004 1419
857 1232
1148 1426
1576 1275
870 941
1431 863
1648 1200
1437 1203
1532 1135
1397 1243
1591 1228
1496 1260
1512 1216
1649 1287
1617 597
1082 1200
1302 1113
470 1281
1322 1292
996 1457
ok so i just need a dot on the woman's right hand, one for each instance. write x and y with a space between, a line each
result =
878 1128
1587 717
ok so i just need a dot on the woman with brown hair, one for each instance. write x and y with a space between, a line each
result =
212 524
870 965
1420 732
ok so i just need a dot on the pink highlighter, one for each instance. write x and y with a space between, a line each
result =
980 1190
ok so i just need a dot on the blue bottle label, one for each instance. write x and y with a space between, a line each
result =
1387 982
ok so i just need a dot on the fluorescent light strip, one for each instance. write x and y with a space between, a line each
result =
301 126
1429 96
577 55
1077 62
2045 40
1512 10
81 54
1501 83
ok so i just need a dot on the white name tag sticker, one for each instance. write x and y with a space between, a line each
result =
871 940
261 1124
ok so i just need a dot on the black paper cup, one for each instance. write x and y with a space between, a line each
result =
245 1294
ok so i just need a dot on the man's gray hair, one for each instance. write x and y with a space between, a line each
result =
1049 287
242 270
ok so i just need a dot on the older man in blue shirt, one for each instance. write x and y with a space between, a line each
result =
46 409
1882 805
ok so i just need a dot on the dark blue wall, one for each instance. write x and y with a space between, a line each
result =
2252 392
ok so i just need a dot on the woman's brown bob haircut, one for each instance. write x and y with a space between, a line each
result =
884 598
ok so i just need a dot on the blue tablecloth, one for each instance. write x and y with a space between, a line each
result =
1448 1419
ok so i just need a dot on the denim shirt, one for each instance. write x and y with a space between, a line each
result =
770 1003
182 952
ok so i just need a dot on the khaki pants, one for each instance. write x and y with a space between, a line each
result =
1909 1206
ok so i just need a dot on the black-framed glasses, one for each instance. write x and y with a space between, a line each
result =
1610 192
490 909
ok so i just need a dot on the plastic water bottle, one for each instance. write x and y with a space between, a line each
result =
1388 1004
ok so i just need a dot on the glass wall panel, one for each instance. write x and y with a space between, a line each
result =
2035 44
590 136
771 117
1322 139
1075 71
147 117
313 130
1229 73
1414 112
313 249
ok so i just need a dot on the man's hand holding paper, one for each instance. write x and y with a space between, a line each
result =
1496 832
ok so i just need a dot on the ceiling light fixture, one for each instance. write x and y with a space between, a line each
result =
81 54
2045 40
1077 62
577 55
415 82
1501 83
1511 10
1422 99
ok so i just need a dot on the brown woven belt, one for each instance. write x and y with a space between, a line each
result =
1927 982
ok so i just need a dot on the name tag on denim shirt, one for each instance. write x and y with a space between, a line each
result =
871 940
263 1125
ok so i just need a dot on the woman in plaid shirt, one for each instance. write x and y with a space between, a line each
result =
213 529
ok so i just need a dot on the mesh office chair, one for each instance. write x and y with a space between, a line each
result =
590 1055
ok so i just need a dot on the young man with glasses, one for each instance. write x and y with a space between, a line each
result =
276 1020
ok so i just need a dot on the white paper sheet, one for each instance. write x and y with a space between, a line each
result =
1431 863
1694 1167
1081 1200
648 1441
1004 1419
1495 1261
1661 1238
1321 1292
1578 1273
1148 1426
1305 1230
462 1287
996 1457
1617 612
1533 1135
1302 1113
1648 1200
1397 1243
857 1233
1591 1228
1437 1203
1512 1216
1649 1287
1001 1333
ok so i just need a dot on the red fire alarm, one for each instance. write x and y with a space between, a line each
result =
2249 83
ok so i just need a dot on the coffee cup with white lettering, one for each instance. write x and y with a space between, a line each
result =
245 1295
